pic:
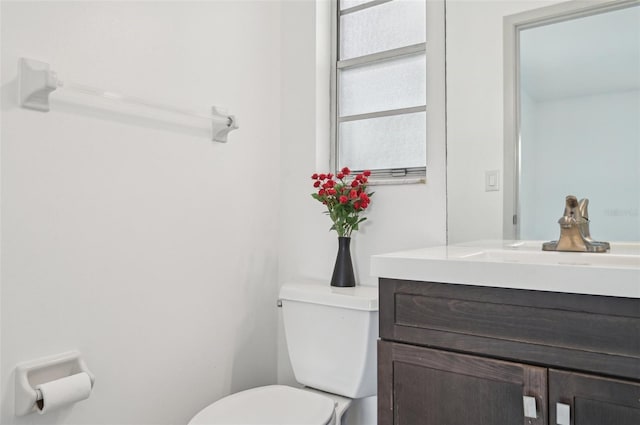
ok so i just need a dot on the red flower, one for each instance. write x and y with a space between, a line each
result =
367 173
343 188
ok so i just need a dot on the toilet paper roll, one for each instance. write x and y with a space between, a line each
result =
63 392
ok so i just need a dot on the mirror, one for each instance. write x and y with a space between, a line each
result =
573 62
576 128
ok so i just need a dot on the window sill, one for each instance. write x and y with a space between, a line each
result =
388 181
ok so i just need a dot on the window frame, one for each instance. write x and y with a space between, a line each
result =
386 176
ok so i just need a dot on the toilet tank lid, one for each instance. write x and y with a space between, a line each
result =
320 292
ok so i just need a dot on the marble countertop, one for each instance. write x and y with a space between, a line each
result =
519 265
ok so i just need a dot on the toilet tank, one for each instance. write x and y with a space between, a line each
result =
331 336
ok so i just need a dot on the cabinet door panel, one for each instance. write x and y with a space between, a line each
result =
430 396
434 387
594 400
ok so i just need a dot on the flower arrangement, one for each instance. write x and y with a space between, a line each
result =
346 198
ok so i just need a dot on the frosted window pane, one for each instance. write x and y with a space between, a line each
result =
387 26
382 86
397 141
345 4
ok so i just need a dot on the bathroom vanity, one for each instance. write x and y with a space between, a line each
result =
499 333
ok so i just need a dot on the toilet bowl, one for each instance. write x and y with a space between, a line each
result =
331 338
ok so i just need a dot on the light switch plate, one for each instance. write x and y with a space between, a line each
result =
491 180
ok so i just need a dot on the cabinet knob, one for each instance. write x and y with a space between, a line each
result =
563 414
530 408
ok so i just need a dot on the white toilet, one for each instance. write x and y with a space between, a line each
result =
331 337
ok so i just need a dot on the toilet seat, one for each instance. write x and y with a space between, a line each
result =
269 405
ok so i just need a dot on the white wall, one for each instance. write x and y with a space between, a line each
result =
151 250
475 114
1 123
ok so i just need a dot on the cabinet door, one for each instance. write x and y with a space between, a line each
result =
578 399
418 385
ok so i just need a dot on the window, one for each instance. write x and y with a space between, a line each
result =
379 87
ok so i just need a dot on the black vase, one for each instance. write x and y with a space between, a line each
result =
343 270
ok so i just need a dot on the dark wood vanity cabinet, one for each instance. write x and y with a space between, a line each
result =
474 355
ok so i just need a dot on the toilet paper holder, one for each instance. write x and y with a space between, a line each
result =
33 373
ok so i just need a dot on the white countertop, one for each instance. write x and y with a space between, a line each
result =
519 265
